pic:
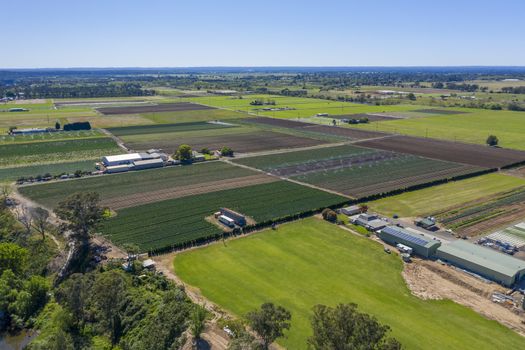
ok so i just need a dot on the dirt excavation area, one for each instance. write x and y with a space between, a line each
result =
432 280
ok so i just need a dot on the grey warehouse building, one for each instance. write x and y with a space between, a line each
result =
483 261
420 245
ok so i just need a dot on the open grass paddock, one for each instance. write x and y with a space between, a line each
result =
312 262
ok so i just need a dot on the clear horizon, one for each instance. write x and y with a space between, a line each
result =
175 34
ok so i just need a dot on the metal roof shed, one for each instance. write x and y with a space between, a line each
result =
420 245
486 262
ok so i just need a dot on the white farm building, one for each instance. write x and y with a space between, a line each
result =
121 159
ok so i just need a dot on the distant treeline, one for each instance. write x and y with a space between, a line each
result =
76 90
513 90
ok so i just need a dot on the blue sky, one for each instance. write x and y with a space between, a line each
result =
161 33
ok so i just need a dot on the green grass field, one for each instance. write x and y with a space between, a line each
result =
473 127
434 199
312 262
182 220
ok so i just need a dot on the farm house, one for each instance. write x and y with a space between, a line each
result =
420 245
485 262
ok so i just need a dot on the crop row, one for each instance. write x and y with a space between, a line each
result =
55 151
111 186
181 220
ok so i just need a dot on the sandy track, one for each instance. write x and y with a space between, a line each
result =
160 195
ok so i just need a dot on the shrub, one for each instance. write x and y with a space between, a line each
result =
329 215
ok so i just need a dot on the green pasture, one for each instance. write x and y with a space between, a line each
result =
472 127
438 198
312 262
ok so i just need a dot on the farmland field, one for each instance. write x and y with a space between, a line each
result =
11 174
192 116
113 187
182 220
355 171
296 107
311 262
240 140
166 128
473 127
477 155
51 136
163 107
45 152
343 133
481 216
428 201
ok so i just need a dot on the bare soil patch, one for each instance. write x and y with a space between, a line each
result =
478 155
370 117
438 111
133 200
242 143
431 280
164 107
352 134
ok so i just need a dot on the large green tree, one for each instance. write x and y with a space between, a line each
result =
269 322
345 328
13 257
81 212
184 153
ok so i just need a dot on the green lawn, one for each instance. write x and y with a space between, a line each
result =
472 127
437 198
312 262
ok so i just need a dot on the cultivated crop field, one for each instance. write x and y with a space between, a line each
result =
12 174
439 198
182 220
477 155
51 136
166 128
311 262
162 107
112 188
481 216
342 133
192 116
355 171
242 141
45 152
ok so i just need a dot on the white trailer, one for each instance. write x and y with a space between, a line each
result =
404 249
227 221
